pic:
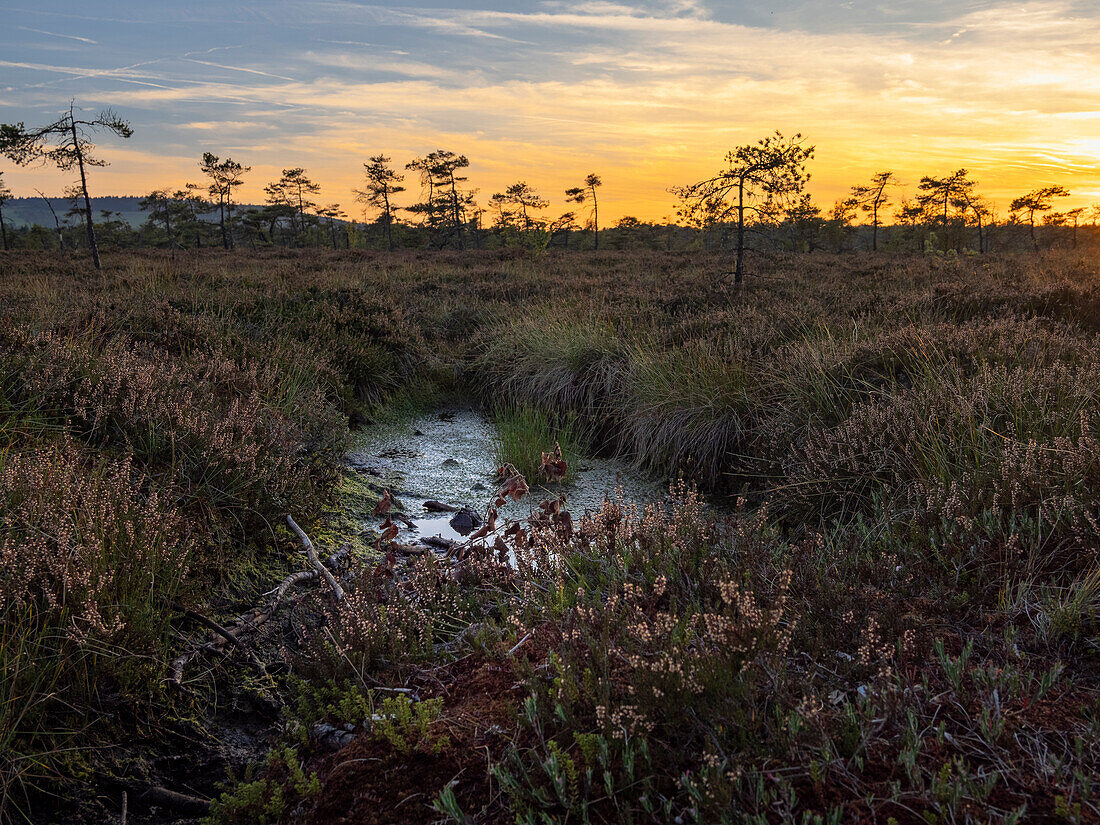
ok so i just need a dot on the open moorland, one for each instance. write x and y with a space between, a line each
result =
871 594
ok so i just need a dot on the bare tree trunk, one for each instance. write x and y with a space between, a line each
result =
56 222
595 220
229 215
221 220
455 210
739 271
389 220
84 190
4 230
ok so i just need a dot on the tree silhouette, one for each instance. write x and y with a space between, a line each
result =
872 198
382 183
224 176
579 194
292 191
512 206
5 196
446 201
334 213
191 204
967 200
838 226
56 222
804 223
759 175
1034 202
1075 216
161 207
939 194
65 143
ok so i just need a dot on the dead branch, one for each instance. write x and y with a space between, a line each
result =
230 636
175 800
409 549
337 590
519 644
439 541
290 581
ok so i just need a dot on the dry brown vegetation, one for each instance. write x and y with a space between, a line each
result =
898 621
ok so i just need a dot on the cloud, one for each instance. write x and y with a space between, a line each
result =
55 34
238 69
651 94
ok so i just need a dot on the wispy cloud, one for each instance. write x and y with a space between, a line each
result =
56 34
238 69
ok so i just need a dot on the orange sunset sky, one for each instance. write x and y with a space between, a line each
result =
647 94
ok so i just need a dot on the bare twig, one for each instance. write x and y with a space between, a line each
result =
174 800
337 590
519 644
229 636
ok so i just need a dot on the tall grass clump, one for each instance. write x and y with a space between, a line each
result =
524 433
689 410
560 365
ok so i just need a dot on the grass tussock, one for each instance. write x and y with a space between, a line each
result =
525 434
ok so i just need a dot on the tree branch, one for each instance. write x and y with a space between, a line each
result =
337 590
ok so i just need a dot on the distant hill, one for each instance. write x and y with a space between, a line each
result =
22 212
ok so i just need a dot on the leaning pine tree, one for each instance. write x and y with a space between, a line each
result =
758 175
65 143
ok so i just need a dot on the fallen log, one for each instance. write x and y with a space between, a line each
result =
409 549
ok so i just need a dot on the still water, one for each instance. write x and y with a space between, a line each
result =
447 455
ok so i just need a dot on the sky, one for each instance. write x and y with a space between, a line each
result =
648 94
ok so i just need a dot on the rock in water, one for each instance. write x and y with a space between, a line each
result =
433 506
465 521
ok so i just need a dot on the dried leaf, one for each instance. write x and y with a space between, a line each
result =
515 487
553 466
384 504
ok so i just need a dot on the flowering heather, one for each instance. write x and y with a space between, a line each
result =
89 552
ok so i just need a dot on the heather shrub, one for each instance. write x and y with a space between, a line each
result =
994 473
207 421
369 343
382 625
666 648
937 433
90 555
